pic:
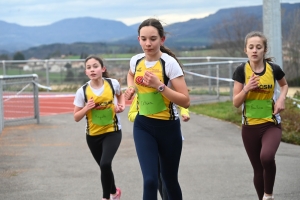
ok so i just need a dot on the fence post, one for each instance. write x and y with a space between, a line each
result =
209 74
230 83
4 68
36 99
218 80
1 107
47 74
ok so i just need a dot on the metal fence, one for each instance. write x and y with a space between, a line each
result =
63 74
213 78
19 102
208 78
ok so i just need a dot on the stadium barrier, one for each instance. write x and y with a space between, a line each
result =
19 102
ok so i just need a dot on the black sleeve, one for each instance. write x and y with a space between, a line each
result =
277 71
239 74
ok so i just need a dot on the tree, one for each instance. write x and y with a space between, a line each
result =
18 56
69 76
229 35
4 57
68 66
55 54
82 77
83 55
291 49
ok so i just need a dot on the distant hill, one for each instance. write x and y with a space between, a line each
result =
85 34
78 48
196 32
85 29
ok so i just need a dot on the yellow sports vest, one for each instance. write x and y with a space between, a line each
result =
259 104
101 119
152 103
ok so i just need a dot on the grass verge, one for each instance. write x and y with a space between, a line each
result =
226 111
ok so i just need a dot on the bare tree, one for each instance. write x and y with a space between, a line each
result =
291 48
230 33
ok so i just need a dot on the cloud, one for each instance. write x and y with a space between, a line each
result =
36 12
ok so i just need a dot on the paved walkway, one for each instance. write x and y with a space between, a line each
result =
52 161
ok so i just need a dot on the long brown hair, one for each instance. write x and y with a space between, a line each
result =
160 29
105 73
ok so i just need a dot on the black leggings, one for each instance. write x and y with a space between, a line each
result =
158 139
161 185
261 143
103 148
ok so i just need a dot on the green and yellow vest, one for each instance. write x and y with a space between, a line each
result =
101 119
259 104
152 103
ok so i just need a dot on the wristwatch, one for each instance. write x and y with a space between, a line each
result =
161 88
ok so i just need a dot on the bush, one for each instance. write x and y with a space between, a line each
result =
297 94
290 122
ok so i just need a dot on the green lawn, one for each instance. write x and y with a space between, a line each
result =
226 111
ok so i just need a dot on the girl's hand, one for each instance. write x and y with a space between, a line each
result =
279 106
90 104
151 80
253 83
119 108
129 92
185 118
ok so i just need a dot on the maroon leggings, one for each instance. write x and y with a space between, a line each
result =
261 143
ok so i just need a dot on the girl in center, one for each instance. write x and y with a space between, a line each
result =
157 77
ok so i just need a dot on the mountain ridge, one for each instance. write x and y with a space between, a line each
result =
194 32
82 29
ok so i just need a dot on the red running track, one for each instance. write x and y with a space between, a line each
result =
58 104
49 104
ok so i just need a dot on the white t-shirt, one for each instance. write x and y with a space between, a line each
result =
172 70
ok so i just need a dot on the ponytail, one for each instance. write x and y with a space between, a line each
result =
170 53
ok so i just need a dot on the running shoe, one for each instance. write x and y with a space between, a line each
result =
268 198
117 196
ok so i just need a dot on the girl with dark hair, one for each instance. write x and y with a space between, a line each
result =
158 79
255 90
100 100
185 116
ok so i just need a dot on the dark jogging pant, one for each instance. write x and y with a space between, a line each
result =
261 143
158 138
103 148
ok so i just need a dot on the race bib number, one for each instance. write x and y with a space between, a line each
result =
259 109
151 103
102 117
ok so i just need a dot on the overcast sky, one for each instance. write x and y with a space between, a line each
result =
45 12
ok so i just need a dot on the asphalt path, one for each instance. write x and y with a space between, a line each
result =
51 160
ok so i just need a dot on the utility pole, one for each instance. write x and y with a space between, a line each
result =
272 29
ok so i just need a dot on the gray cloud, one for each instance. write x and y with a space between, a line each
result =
36 12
